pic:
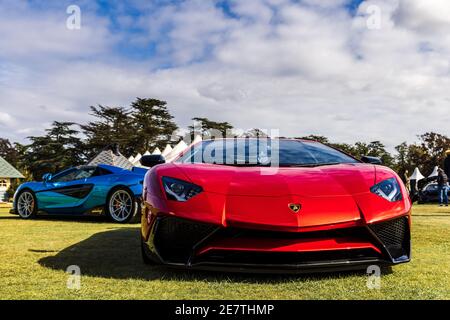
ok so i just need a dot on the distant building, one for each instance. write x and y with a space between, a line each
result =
7 173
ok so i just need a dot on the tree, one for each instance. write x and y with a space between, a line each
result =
401 160
207 128
433 147
255 133
313 137
59 149
113 125
373 149
152 122
347 148
8 151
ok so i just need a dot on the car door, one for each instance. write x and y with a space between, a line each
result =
66 190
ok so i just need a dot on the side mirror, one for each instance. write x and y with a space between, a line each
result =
47 177
372 160
152 160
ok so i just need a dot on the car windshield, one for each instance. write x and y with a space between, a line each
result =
264 152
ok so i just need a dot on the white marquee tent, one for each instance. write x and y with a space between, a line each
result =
435 172
169 153
168 149
179 148
155 152
137 160
417 175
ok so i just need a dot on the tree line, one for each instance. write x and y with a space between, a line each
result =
147 124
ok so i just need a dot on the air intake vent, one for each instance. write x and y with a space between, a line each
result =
394 234
175 238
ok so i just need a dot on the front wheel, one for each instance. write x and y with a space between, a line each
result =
121 205
26 204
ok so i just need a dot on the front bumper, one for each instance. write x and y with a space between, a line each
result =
185 244
12 211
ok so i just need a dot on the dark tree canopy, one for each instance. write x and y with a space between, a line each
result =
255 133
57 150
147 124
9 152
113 125
152 123
208 128
317 138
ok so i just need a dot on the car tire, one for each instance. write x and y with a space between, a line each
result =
137 215
121 205
25 204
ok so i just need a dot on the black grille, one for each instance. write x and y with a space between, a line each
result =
394 235
175 238
287 258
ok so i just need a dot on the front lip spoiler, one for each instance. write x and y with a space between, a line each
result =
12 211
313 267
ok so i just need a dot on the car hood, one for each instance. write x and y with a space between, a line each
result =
323 181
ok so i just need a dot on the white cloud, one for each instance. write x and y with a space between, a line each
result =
425 15
28 33
6 120
304 68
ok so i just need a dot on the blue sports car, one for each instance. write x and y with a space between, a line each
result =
82 190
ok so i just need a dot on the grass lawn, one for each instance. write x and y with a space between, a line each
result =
34 256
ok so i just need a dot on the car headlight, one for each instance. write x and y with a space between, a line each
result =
388 189
180 190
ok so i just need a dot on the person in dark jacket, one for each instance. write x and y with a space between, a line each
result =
442 181
447 163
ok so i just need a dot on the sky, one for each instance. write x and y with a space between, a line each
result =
350 70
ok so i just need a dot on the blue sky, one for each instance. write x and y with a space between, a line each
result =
304 67
115 12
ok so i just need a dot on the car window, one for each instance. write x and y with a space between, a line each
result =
84 173
263 151
101 172
67 175
75 174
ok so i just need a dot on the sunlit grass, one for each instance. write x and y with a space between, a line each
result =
35 254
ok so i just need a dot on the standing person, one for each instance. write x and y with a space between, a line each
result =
447 163
442 181
407 181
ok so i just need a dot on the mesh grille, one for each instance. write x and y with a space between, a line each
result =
175 238
394 234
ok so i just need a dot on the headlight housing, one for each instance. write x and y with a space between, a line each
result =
388 189
180 190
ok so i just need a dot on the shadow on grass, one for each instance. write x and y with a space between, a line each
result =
70 218
117 254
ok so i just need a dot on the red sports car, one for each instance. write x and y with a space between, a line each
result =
273 205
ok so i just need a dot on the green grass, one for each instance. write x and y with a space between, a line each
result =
35 254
